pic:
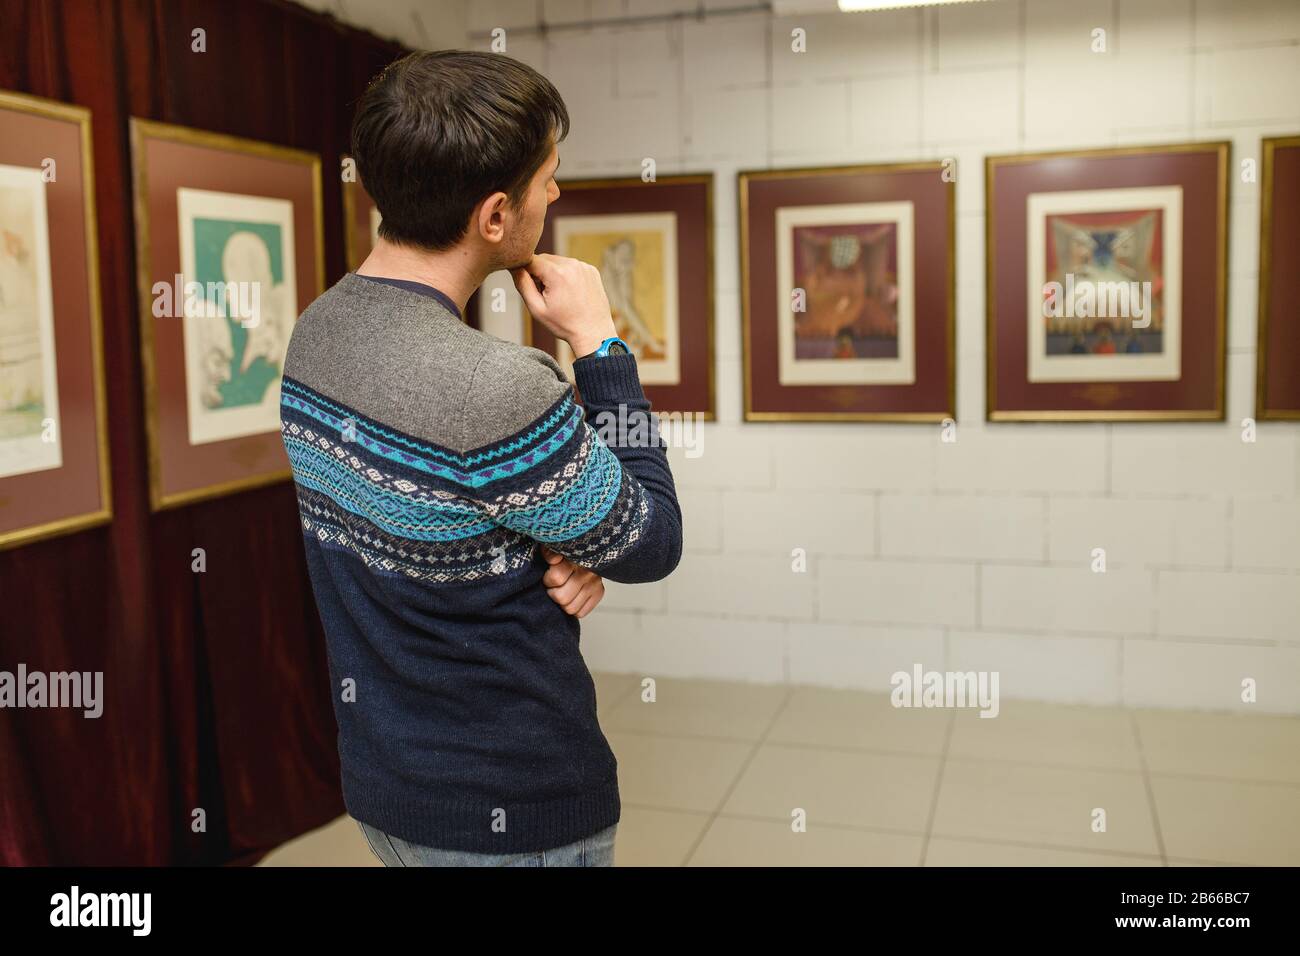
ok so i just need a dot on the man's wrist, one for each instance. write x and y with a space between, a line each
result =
607 380
587 345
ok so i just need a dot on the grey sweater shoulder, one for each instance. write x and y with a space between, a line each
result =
404 359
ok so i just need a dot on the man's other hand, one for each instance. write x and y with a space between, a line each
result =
566 296
576 589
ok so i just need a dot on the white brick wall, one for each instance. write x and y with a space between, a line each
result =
972 555
897 592
975 528
429 24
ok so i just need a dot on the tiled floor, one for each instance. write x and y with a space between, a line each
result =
711 774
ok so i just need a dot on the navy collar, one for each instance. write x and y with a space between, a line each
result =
422 288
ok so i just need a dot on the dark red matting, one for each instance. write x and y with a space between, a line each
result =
1200 170
932 395
1279 346
74 488
689 197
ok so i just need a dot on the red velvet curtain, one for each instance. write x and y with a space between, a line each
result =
216 693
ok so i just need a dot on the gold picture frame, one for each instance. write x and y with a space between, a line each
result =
59 111
743 178
1262 411
706 180
1222 150
142 131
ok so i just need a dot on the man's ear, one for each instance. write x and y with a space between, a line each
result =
490 217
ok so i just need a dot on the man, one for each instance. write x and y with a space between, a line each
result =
458 506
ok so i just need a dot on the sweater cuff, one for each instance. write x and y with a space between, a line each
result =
608 378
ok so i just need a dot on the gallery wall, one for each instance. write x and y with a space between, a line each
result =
217 740
974 555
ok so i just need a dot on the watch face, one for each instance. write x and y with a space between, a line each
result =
617 348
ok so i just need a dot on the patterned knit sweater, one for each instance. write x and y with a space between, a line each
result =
430 459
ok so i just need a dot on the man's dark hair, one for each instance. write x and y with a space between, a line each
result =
436 132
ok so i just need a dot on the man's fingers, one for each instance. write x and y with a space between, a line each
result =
580 594
578 606
539 271
574 588
594 596
542 265
558 574
528 290
564 594
573 582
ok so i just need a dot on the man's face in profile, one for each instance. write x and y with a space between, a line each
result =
521 242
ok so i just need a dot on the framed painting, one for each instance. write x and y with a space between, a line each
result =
54 476
847 293
653 245
1107 284
360 220
229 252
1277 380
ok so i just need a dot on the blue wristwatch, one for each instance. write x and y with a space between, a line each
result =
613 346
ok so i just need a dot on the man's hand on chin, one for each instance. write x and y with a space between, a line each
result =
576 589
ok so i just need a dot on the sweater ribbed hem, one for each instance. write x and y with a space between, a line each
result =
467 825
608 378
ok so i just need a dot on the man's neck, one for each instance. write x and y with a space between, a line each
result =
449 272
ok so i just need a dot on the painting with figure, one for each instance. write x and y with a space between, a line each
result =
1104 285
845 294
636 254
29 413
241 250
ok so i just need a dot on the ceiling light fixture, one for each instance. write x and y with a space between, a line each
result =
859 6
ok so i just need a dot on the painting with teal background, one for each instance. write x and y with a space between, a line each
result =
248 381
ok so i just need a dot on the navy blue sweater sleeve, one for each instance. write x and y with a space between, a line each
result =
591 483
617 409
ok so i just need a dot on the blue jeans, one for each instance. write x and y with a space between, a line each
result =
595 850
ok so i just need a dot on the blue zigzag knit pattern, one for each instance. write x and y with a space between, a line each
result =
409 507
